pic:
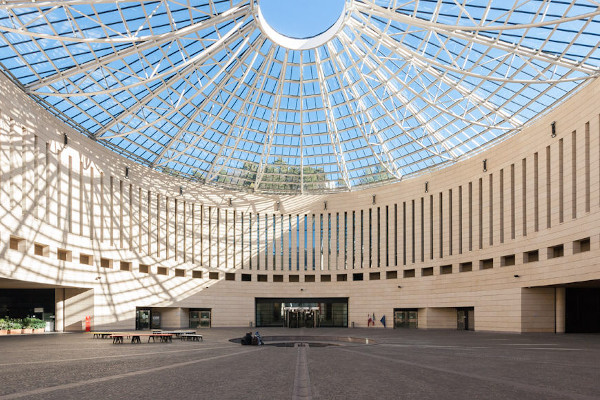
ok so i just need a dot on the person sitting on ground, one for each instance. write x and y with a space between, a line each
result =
247 340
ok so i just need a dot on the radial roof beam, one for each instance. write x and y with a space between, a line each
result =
264 158
150 42
422 120
233 34
159 160
386 160
443 77
461 32
332 123
213 172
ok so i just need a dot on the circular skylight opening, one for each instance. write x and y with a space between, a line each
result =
301 24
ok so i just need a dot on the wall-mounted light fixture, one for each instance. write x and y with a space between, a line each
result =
485 165
277 205
126 172
427 187
517 276
181 190
553 129
230 202
65 139
374 198
399 287
324 205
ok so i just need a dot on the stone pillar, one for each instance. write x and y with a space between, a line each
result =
560 309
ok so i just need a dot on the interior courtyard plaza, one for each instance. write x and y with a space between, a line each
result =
349 168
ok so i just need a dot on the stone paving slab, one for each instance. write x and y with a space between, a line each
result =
397 364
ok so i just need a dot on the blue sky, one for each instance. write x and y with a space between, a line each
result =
301 18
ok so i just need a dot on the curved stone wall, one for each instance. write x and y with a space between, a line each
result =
501 232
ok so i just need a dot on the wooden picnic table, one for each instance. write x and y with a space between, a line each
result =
102 335
177 333
190 336
136 337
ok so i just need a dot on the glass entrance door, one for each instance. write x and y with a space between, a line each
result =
405 318
200 318
142 319
204 319
302 317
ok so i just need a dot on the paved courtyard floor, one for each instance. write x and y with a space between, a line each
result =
396 364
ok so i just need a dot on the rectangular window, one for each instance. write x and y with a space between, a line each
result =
413 238
491 210
404 233
460 220
480 210
362 239
387 235
450 222
370 236
396 235
507 261
531 256
422 229
574 174
512 201
353 239
470 216
290 242
587 167
548 189
305 242
445 269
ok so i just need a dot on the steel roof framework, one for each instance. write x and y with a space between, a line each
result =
200 89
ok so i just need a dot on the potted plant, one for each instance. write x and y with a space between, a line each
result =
38 325
3 326
26 325
14 327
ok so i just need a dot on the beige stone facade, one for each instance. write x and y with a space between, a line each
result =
111 235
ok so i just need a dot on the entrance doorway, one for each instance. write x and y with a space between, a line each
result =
465 319
582 310
302 312
146 319
406 317
200 318
301 317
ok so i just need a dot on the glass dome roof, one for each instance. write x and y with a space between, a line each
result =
210 91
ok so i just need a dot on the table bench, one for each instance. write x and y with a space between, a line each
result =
136 337
193 337
102 335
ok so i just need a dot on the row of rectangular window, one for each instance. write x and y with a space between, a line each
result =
343 240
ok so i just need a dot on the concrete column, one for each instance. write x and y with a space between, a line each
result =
59 318
560 309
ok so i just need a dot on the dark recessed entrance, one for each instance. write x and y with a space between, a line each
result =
582 310
302 312
21 303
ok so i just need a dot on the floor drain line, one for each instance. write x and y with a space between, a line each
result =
302 379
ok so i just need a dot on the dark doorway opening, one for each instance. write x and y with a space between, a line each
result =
22 303
582 310
465 319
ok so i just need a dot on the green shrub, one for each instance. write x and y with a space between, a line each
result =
15 324
33 323
3 324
